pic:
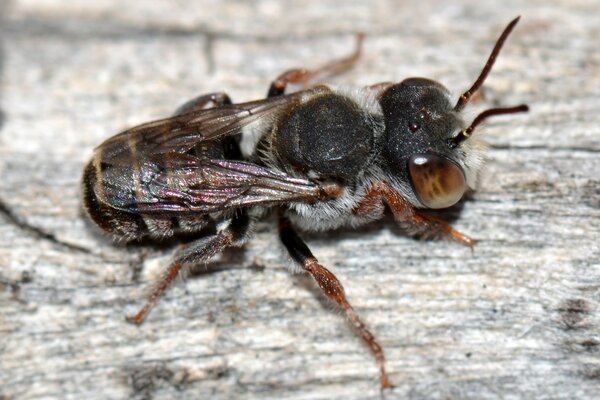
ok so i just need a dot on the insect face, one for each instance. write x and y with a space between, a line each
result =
419 121
426 142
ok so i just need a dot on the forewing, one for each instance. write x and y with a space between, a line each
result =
148 169
182 132
194 185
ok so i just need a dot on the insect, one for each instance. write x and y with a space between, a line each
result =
323 157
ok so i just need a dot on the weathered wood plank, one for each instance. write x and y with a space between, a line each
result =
517 318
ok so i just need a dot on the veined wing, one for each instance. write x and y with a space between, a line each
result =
182 132
195 185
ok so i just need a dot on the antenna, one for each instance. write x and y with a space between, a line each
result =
466 133
466 96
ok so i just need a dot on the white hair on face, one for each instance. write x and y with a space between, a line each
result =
470 156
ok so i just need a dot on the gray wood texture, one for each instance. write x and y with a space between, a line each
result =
517 318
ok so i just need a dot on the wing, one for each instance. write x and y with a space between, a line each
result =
147 169
182 132
192 184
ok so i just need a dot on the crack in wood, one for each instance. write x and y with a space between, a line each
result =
99 30
34 231
209 54
511 147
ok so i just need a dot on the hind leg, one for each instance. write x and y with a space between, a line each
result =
200 251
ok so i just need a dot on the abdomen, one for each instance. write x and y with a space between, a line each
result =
114 183
132 225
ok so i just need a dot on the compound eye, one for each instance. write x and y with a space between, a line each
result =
437 181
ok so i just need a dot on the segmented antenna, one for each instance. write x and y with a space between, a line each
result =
466 96
466 133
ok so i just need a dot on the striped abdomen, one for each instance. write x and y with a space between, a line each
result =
124 173
131 225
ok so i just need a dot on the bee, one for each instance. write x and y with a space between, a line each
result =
323 157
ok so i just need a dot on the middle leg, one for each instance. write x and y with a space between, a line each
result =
301 76
333 289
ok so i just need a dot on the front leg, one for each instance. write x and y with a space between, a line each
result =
407 216
332 288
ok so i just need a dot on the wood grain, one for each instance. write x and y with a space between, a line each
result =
517 318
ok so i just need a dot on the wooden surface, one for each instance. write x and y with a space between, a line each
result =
518 318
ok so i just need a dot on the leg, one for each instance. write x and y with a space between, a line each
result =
408 217
303 76
201 102
197 252
333 289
